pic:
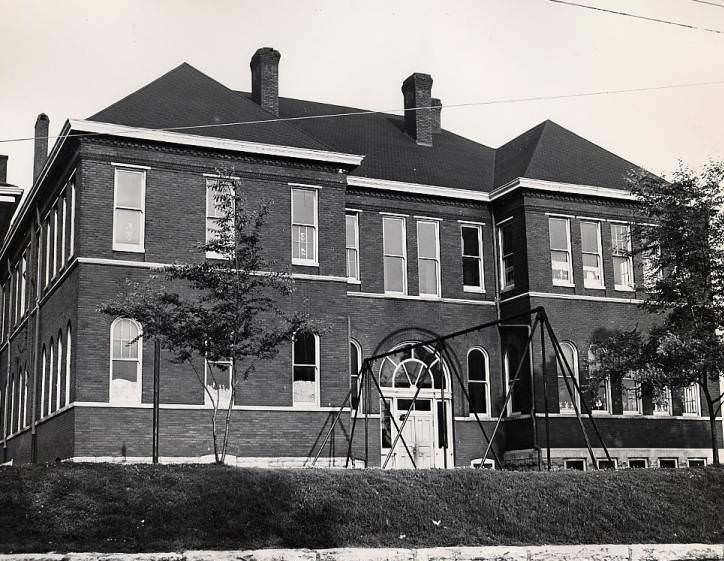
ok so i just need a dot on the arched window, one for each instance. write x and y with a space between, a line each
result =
126 345
51 376
43 383
511 361
68 348
478 386
355 363
565 403
602 398
305 369
59 372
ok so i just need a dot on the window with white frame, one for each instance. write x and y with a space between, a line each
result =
129 209
623 276
126 345
566 403
577 464
217 389
352 245
355 363
23 282
591 254
43 383
696 462
428 257
395 254
638 463
59 376
71 244
511 361
47 250
64 218
668 463
305 369
692 404
214 212
472 248
507 256
67 364
662 402
16 303
304 226
3 309
631 396
55 240
607 464
602 396
51 375
478 381
559 234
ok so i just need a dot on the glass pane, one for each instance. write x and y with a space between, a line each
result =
506 240
470 241
129 188
428 276
393 236
305 391
559 263
600 402
303 246
441 424
128 226
303 206
477 398
305 349
622 271
471 271
351 230
387 370
352 271
401 378
629 394
394 274
619 238
589 237
212 207
476 365
386 425
125 370
427 240
591 269
558 233
353 360
124 331
565 403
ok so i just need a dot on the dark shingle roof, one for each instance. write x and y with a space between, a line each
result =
187 97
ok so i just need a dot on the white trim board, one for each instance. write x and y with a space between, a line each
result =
559 296
419 298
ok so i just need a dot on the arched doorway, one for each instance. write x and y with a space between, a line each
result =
428 430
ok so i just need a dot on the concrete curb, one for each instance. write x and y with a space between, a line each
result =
636 552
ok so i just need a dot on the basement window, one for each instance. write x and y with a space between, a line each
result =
668 463
577 464
637 463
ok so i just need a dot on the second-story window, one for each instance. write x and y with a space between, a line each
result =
559 234
47 250
129 210
428 257
622 261
472 247
55 241
304 227
23 282
507 256
64 218
213 214
352 246
395 254
71 244
591 253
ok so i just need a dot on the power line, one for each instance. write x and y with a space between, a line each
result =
710 3
394 110
657 20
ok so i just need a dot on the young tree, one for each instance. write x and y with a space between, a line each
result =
227 309
682 248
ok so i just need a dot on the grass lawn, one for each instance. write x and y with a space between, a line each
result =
96 507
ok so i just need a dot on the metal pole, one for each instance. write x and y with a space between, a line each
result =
536 447
336 419
156 397
366 405
365 369
545 396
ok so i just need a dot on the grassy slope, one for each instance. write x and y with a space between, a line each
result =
166 508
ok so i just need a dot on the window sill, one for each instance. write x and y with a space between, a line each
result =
600 412
389 293
623 288
594 287
433 297
305 262
632 413
474 289
565 284
484 416
354 281
129 248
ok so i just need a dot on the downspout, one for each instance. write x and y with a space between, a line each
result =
37 236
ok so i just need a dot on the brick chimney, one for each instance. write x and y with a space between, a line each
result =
3 169
265 79
42 126
436 105
416 91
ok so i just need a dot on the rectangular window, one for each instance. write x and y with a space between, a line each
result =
3 309
213 214
23 282
691 400
305 370
395 255
472 248
64 219
129 210
428 257
578 465
631 396
304 227
696 462
478 389
71 245
352 245
662 403
16 302
592 256
606 464
55 241
559 234
637 463
668 463
602 399
507 255
47 250
217 389
623 277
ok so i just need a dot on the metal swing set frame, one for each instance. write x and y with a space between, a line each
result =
367 382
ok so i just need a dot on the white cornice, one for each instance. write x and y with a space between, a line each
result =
156 135
418 188
558 187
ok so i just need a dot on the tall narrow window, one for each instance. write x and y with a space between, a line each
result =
352 245
567 404
23 282
355 363
11 421
213 213
692 405
662 403
26 403
218 388
510 365
16 303
507 256
395 254
305 365
622 261
55 241
51 376
478 386
59 372
472 247
71 245
428 257
129 210
591 253
631 396
125 362
602 395
304 227
47 250
43 384
559 234
64 218
68 348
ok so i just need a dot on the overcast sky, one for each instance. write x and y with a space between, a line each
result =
70 59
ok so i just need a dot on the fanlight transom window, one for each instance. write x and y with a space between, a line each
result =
419 368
